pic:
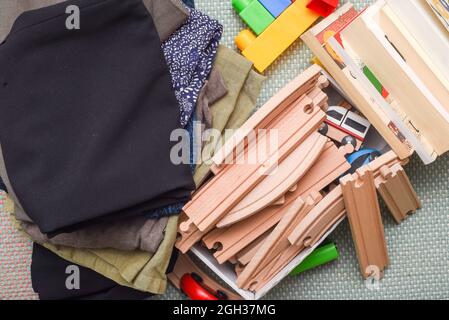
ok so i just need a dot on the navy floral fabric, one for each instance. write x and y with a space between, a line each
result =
190 53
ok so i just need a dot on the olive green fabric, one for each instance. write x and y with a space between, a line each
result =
19 211
213 90
246 102
230 112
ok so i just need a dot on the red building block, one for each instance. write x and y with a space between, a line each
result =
323 7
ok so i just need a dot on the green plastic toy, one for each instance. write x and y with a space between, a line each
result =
254 14
318 257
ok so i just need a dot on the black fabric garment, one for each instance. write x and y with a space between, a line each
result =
87 115
171 197
48 276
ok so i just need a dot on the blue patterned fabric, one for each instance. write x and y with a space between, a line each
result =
190 53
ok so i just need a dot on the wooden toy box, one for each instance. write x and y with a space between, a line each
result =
405 48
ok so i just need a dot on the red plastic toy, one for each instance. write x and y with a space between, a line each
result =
192 285
323 7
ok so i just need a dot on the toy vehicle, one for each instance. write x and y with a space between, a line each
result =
197 284
361 158
345 126
192 285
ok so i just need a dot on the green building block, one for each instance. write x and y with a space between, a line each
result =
254 14
318 257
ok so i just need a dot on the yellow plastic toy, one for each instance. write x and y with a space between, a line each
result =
270 44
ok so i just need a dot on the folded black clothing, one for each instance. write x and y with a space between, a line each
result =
87 115
54 278
172 197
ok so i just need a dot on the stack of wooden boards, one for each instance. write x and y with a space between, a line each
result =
260 215
400 47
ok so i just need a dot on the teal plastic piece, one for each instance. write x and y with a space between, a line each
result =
320 256
254 14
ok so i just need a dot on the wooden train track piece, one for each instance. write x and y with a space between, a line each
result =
397 192
184 265
394 186
230 241
210 204
246 255
274 186
280 201
330 165
276 242
239 269
322 217
362 207
226 189
186 240
387 159
301 85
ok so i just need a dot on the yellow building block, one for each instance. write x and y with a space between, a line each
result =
271 43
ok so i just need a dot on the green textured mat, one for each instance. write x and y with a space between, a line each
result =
418 248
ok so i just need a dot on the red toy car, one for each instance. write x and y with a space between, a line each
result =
192 285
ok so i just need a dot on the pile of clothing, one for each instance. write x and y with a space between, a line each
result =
86 134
